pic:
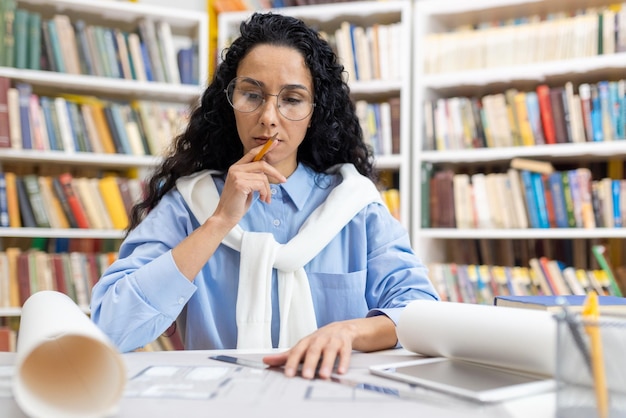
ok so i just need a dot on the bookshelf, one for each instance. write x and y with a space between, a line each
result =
501 62
177 30
392 83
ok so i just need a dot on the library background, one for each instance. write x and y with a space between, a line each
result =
498 127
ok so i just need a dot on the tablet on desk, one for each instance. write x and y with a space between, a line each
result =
469 380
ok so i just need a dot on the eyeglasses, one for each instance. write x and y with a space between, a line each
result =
246 95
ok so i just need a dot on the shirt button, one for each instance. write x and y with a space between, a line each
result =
276 222
274 190
181 300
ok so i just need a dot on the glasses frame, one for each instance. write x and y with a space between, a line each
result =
252 80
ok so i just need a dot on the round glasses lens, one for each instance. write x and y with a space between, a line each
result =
246 95
294 103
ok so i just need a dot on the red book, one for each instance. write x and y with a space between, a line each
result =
59 273
73 201
23 276
545 110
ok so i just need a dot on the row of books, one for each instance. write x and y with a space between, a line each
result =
74 123
65 201
59 44
24 272
525 199
482 283
531 39
380 123
368 53
546 115
221 6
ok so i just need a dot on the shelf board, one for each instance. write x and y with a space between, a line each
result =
140 90
557 151
594 67
79 158
565 233
61 233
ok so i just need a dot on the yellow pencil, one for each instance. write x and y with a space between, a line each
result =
591 316
267 146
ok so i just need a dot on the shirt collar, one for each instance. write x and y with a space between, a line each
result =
299 185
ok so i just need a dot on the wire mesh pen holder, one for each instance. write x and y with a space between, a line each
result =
576 390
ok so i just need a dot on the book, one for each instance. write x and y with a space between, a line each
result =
543 167
4 202
5 134
31 184
15 123
20 33
545 111
33 61
57 187
73 202
24 91
599 254
83 190
608 304
55 211
13 205
27 215
67 43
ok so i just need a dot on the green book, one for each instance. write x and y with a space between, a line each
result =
31 183
2 32
20 33
34 41
57 55
569 202
8 10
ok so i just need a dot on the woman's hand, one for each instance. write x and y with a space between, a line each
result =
334 343
244 178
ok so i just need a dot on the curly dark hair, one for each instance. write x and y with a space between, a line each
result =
210 140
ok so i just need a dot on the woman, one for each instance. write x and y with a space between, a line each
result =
294 250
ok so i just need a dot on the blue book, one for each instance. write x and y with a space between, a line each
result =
146 62
608 304
4 203
534 117
540 196
24 91
616 192
46 107
558 200
185 63
596 115
531 198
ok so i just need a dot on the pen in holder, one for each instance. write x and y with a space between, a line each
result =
590 366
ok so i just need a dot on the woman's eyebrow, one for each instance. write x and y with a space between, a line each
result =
284 86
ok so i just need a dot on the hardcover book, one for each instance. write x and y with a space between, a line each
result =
608 304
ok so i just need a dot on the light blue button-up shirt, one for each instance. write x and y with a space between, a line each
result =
368 269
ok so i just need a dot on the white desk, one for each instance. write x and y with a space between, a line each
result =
266 393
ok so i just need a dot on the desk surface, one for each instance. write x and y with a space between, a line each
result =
219 388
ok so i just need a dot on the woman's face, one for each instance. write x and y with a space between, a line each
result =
274 68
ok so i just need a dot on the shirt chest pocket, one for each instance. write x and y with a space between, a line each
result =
338 296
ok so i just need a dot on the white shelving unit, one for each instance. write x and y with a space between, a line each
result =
125 16
437 16
185 26
328 18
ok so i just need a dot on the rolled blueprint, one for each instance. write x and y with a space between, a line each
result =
65 366
514 338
